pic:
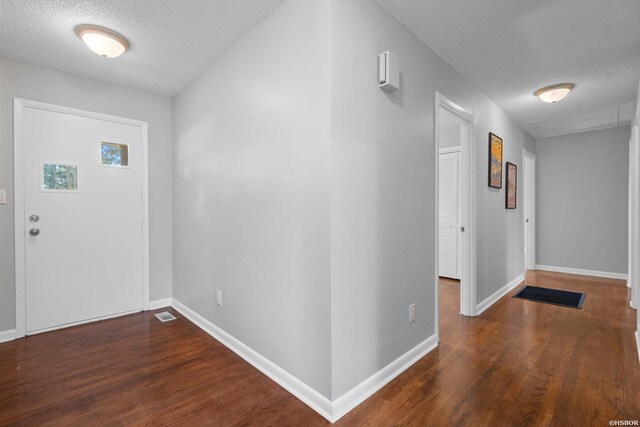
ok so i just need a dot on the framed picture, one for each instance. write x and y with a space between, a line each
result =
512 185
495 161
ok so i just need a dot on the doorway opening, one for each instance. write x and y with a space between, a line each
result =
455 208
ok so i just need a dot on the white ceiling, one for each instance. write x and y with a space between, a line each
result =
172 41
510 48
506 48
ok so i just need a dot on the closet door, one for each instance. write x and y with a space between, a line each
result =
449 209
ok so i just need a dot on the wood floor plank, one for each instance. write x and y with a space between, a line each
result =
519 363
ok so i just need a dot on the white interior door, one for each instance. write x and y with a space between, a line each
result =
529 212
83 218
449 205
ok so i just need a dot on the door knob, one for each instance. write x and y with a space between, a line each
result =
34 218
34 231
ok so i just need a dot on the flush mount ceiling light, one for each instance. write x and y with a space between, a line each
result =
102 41
554 93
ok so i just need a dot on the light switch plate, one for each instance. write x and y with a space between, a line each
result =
3 197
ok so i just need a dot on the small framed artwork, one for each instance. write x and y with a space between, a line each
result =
495 161
512 185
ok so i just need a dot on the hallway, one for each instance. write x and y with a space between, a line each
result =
522 363
519 363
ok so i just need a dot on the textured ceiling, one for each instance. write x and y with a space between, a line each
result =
172 41
510 48
506 48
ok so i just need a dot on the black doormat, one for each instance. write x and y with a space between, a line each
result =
552 296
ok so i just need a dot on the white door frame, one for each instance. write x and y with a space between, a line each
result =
634 214
468 165
530 262
19 198
633 280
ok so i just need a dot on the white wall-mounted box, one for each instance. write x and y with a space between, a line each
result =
388 72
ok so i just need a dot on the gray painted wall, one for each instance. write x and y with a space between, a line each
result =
40 84
500 239
251 191
582 184
383 167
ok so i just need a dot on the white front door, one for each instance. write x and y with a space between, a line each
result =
449 205
83 218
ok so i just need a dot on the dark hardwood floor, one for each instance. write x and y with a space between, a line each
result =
519 363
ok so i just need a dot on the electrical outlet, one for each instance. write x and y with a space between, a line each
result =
412 313
3 197
219 297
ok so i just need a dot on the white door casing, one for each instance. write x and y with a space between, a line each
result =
90 260
633 280
529 163
468 211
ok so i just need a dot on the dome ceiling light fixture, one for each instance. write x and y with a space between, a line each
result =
102 41
555 93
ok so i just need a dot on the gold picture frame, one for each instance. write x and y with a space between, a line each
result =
512 186
495 160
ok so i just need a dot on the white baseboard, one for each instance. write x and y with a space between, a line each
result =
498 294
375 382
593 273
9 335
331 410
160 303
293 385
